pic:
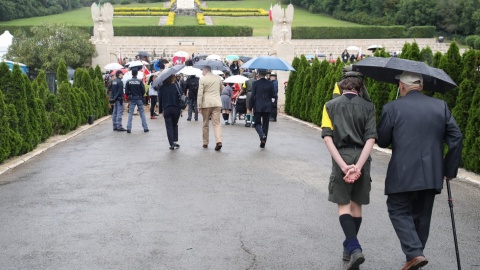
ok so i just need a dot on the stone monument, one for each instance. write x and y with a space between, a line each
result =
282 45
185 8
185 4
102 17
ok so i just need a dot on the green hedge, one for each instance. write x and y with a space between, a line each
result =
141 13
185 31
420 32
362 32
234 14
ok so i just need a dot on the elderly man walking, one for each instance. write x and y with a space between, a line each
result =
210 105
416 126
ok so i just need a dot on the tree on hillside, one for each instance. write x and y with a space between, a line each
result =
48 44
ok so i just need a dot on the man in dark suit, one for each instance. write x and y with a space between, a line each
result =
263 94
416 126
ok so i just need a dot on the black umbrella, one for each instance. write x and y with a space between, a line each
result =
214 64
385 70
165 74
143 53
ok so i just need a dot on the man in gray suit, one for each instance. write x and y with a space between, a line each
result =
416 126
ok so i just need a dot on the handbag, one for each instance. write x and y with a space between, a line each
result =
183 99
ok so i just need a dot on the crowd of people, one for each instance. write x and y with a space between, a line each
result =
254 101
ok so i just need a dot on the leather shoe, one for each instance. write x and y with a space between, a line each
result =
356 258
415 263
146 130
176 145
129 131
171 147
121 129
218 146
346 257
263 141
205 146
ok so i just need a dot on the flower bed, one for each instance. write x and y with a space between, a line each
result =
138 13
234 14
201 19
171 18
136 9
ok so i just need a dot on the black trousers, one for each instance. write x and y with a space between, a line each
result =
171 116
410 214
273 114
153 103
262 121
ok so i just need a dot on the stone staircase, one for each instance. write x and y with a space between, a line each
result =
253 46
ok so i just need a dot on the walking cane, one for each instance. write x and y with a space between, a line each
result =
450 203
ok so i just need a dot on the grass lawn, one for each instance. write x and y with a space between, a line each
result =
186 20
261 25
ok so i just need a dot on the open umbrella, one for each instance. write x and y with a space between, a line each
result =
191 71
245 58
374 47
215 65
113 66
144 53
232 57
214 57
236 79
167 73
127 76
137 63
124 70
353 48
181 54
268 62
385 70
218 72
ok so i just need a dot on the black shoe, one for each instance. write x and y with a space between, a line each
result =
115 129
176 145
356 258
189 119
171 147
263 141
121 129
218 146
129 131
247 125
146 130
346 257
227 123
196 119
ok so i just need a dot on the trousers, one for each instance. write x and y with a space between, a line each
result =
171 115
262 121
214 114
153 103
410 214
117 114
139 103
192 107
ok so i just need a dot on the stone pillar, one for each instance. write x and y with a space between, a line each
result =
103 57
286 51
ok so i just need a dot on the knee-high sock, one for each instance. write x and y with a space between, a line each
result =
358 222
348 225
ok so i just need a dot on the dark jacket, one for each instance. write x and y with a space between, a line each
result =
192 87
135 89
117 89
416 126
168 96
262 94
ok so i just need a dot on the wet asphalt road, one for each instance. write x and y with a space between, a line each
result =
110 200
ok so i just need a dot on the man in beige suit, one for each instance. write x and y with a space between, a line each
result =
210 105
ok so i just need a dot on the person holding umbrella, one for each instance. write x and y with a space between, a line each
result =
417 126
169 102
263 95
349 131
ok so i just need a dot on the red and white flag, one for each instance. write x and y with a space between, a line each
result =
270 13
146 72
120 61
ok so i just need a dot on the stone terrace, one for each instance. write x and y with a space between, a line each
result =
253 46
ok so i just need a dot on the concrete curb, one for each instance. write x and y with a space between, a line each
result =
462 173
49 143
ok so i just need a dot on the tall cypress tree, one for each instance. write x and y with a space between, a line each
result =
405 51
471 143
41 81
33 112
436 59
15 139
426 55
291 83
98 73
16 95
414 52
4 130
42 115
466 90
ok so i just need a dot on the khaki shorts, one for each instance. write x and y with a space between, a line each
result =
339 191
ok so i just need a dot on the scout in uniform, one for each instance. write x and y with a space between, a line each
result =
349 131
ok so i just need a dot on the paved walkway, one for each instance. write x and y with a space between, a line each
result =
110 200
